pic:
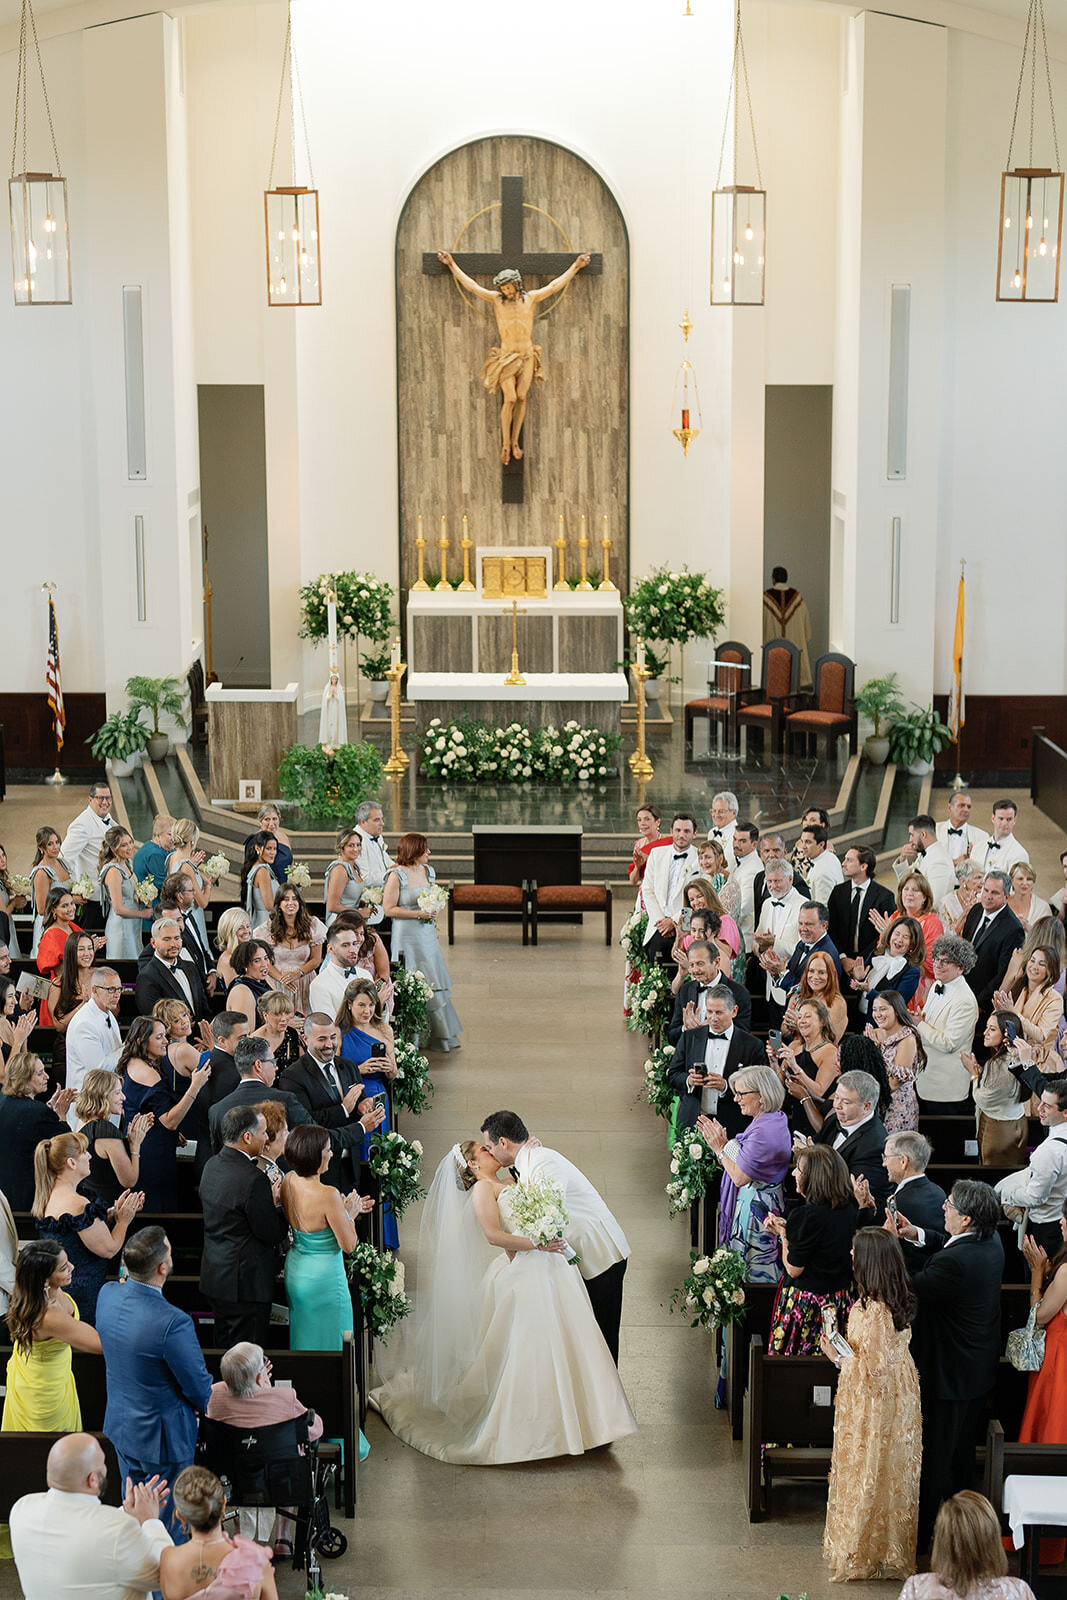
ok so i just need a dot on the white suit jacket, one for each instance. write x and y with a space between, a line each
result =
592 1230
1007 855
936 867
956 846
655 886
91 1042
69 1545
822 875
787 938
947 1026
81 847
374 863
327 988
744 876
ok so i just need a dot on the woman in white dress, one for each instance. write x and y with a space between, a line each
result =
509 1362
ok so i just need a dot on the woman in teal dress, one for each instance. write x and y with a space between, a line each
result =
323 1226
414 934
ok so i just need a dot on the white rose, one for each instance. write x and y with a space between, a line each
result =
674 1167
416 1145
696 1152
708 1297
738 1297
701 1266
691 1301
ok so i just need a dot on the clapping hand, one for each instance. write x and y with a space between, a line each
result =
62 1101
689 1017
205 1032
357 1204
1002 1000
713 1131
775 1224
372 1118
128 1204
1036 1258
138 1128
144 1500
971 1063
862 1190
880 919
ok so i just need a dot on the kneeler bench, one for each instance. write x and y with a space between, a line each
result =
571 897
505 897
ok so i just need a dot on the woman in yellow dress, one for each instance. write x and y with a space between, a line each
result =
44 1325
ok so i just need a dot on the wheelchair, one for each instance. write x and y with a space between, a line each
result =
277 1465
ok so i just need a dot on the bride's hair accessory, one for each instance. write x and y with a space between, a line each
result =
457 1156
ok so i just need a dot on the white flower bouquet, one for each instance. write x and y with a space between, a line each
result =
18 883
144 891
714 1292
216 866
82 886
538 1213
433 899
372 893
298 873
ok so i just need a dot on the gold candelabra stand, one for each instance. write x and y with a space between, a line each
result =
583 551
561 561
466 545
444 544
640 765
398 762
420 550
605 545
515 676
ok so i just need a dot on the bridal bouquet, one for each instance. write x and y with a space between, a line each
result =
411 1005
713 1294
433 899
298 873
145 891
538 1212
412 1089
658 1091
372 893
18 883
82 886
693 1162
395 1163
378 1279
216 866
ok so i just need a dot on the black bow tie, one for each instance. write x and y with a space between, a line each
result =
350 972
939 988
777 902
681 857
718 1036
993 845
716 833
957 831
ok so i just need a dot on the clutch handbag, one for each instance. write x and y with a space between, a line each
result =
1025 1348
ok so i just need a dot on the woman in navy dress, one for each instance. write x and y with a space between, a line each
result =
141 1066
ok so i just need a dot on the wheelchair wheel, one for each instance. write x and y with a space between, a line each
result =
331 1543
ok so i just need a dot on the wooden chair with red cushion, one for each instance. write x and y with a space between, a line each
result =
831 711
724 682
765 707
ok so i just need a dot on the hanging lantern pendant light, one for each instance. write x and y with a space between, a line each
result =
1031 198
291 211
738 211
40 242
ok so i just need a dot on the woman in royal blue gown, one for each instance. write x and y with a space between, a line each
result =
367 1041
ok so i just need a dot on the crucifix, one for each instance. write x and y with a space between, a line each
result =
517 611
516 364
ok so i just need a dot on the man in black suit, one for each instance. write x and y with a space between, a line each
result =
254 1060
812 935
918 1199
705 973
996 933
956 1342
771 848
229 1028
177 897
704 1058
851 903
243 1226
330 1090
163 974
855 1130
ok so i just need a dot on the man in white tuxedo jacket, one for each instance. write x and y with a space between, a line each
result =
1001 850
81 851
723 824
779 918
924 854
663 887
946 1026
374 859
748 868
592 1230
958 834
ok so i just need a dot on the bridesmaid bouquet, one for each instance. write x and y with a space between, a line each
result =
693 1162
396 1163
18 883
713 1294
216 866
81 886
412 1089
145 891
538 1212
372 894
298 873
378 1279
433 899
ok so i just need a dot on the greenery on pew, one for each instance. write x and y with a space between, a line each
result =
632 937
412 1088
378 1278
412 994
396 1164
693 1162
658 1091
651 1001
714 1292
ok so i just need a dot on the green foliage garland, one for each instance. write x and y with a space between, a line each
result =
328 782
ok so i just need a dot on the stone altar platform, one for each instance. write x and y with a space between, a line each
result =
592 698
573 632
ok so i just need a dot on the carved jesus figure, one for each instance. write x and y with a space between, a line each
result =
515 363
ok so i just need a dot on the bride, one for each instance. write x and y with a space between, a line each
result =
509 1362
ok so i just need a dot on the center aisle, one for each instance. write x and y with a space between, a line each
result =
661 1512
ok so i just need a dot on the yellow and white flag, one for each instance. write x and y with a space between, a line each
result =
957 711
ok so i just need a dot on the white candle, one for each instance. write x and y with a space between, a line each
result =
640 652
331 624
395 660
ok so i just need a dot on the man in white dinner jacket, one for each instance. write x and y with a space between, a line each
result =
93 1037
958 833
374 857
81 851
777 931
924 854
663 886
946 1026
591 1229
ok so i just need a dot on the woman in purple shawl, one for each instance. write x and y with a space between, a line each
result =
754 1166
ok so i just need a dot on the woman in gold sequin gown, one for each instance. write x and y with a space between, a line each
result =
872 1517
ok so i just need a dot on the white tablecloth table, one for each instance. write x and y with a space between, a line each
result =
1035 1502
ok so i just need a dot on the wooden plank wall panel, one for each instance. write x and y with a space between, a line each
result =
534 644
577 428
28 737
997 732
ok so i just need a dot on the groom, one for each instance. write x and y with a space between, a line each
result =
592 1229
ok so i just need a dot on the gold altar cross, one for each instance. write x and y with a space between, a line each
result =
515 676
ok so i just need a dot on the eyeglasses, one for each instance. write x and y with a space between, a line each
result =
111 988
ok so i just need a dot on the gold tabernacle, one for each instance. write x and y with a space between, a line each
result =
504 576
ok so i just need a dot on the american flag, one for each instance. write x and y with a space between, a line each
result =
53 677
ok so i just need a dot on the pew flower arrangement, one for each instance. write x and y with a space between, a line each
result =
632 937
378 1279
468 751
396 1164
693 1162
412 994
651 1001
412 1088
658 1091
713 1294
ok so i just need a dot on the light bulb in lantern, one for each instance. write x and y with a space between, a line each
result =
281 235
737 258
1042 248
1017 280
1007 221
726 286
282 286
1029 220
1044 225
315 233
296 233
748 230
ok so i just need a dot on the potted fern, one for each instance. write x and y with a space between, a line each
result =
916 737
160 697
879 700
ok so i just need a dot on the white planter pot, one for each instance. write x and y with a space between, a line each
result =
652 688
876 751
123 766
919 769
378 688
158 746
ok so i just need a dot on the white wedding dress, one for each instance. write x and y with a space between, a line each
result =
536 1378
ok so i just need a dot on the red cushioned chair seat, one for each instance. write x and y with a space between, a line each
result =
707 705
817 719
757 711
479 895
572 895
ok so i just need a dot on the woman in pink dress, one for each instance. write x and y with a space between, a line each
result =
298 938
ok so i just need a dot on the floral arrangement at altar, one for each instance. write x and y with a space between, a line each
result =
714 1292
328 782
469 751
675 607
364 606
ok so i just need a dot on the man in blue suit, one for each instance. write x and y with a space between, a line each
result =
813 935
157 1382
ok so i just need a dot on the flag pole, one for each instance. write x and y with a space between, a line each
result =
54 683
957 667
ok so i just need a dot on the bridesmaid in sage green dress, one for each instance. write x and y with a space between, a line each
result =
322 1221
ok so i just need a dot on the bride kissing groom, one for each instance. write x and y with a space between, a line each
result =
513 1359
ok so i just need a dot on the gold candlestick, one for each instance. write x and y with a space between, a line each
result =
583 548
398 762
515 676
640 765
605 545
561 560
444 544
466 545
420 546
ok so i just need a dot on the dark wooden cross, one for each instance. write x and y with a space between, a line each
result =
512 253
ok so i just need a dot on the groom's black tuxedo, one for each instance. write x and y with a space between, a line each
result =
690 990
744 1051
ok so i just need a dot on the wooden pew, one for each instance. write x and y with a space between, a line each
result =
23 1458
325 1380
781 1405
949 1135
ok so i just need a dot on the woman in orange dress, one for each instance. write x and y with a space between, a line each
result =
1045 1417
915 899
59 924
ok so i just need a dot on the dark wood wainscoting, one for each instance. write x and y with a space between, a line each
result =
997 735
28 737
